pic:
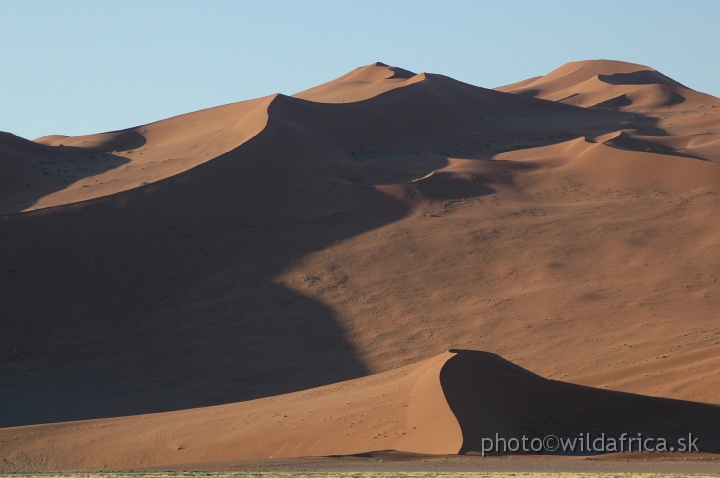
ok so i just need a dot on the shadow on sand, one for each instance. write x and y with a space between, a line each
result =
31 171
165 297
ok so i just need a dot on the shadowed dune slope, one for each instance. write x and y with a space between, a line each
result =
490 395
30 171
443 405
161 297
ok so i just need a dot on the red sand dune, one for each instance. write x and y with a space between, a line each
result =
362 226
609 84
60 170
444 405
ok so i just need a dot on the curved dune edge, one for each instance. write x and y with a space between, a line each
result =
448 404
402 409
146 154
490 396
60 170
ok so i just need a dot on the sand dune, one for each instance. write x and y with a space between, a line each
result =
402 409
109 301
60 170
444 405
360 229
685 118
489 395
360 84
609 84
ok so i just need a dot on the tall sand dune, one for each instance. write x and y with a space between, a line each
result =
358 229
145 296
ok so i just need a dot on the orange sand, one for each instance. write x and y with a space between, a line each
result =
357 231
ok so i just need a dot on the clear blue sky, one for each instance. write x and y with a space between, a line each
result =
80 67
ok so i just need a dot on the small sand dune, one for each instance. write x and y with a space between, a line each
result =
58 170
609 84
489 395
402 409
444 405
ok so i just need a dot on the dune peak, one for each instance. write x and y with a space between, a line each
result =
359 84
608 84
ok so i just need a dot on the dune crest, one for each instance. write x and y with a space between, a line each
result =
609 84
444 405
403 409
58 170
360 84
